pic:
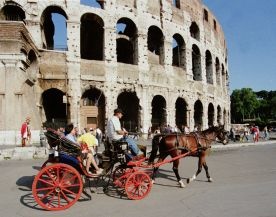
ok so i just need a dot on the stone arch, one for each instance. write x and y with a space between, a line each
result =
209 67
219 115
198 114
211 114
92 37
217 71
181 112
194 31
48 25
127 41
196 63
12 11
158 111
92 108
54 108
155 45
131 119
179 51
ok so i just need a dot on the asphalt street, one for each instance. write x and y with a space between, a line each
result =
244 185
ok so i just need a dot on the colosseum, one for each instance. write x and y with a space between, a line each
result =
161 61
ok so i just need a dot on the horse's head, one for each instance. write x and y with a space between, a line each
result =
221 134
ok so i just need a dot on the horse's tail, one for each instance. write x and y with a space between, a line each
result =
155 146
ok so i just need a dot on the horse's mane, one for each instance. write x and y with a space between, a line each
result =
213 129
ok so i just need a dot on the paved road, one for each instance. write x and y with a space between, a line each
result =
244 185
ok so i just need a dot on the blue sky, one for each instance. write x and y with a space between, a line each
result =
250 30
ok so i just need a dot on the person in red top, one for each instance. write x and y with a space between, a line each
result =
25 132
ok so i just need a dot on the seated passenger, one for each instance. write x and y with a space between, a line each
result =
71 135
115 132
89 139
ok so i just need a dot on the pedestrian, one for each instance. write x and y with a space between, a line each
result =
25 132
149 133
99 136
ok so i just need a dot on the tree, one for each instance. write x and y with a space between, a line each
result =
244 103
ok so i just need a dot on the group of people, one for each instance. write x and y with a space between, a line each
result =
114 132
244 134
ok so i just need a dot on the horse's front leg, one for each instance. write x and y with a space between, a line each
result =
175 169
207 172
199 168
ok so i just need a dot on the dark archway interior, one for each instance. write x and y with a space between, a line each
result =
129 103
196 63
159 112
13 12
180 113
219 115
198 112
179 51
211 114
92 36
55 109
124 51
155 40
194 31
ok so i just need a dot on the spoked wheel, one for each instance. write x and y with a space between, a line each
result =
57 187
120 175
138 185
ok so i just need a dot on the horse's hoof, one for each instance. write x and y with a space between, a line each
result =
188 181
210 180
182 185
152 181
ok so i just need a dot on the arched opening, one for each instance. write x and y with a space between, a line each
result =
129 103
52 37
194 31
198 113
209 67
13 12
127 44
217 71
158 112
219 115
224 117
180 113
211 114
92 109
92 37
196 63
176 3
223 76
179 51
155 45
54 108
93 3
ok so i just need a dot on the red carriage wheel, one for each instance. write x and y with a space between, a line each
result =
120 175
138 185
57 187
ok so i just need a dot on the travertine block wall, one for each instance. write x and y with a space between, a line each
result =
147 78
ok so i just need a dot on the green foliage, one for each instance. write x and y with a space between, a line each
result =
246 104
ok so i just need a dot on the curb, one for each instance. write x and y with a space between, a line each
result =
20 153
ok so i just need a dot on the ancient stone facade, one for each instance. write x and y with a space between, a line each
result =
161 61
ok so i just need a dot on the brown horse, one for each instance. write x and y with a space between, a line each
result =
179 145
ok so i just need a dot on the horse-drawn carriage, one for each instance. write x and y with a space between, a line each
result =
63 176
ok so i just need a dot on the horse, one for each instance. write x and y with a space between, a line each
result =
178 145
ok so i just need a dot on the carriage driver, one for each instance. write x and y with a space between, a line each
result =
116 132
